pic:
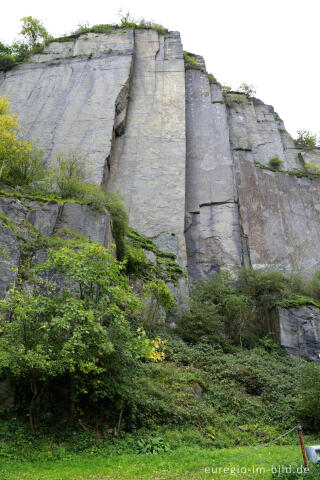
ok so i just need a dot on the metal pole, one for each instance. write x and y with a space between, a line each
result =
299 428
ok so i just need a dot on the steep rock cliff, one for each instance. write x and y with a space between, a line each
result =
191 162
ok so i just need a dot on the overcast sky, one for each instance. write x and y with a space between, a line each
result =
272 44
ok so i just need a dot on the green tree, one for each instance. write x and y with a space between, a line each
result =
248 90
33 31
81 331
307 138
20 159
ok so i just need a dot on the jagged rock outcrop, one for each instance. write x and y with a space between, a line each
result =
191 161
300 332
20 219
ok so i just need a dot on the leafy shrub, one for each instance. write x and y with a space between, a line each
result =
231 98
275 162
20 160
224 311
26 166
120 220
126 21
212 79
33 37
312 167
33 31
190 61
312 287
217 313
7 61
248 90
152 445
309 400
157 297
136 261
307 138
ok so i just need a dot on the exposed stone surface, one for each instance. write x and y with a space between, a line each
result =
85 221
148 161
256 127
48 219
9 258
212 224
213 241
300 332
70 104
186 158
279 217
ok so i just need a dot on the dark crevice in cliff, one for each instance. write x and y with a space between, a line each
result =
208 204
120 119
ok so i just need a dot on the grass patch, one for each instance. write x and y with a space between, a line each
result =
190 62
166 267
288 172
148 467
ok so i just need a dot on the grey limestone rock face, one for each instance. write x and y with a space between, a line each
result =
300 332
256 127
9 259
212 223
69 104
184 156
147 164
47 219
213 241
279 215
85 221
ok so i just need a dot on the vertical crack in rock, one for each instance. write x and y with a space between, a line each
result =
120 119
69 104
148 160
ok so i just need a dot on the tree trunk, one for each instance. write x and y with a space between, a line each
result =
35 403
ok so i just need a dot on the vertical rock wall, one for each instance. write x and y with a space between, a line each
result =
147 164
212 222
190 162
300 332
68 98
279 212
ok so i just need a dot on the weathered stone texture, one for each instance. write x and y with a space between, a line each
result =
279 216
212 224
48 219
148 162
213 241
69 104
83 220
256 127
300 332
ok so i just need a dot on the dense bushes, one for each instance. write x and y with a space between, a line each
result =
225 311
243 397
309 398
79 335
275 162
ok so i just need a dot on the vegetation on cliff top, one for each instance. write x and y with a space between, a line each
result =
33 36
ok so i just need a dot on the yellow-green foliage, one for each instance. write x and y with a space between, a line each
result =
190 61
166 267
20 159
